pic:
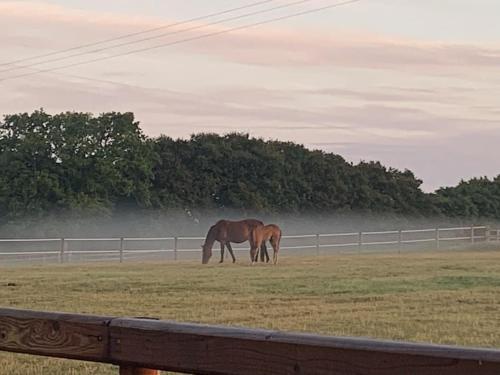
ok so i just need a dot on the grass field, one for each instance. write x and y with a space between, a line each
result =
445 297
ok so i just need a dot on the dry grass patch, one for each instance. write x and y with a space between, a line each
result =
445 297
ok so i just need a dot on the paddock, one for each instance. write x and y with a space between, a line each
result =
440 297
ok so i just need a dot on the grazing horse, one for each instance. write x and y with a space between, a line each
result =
260 235
226 231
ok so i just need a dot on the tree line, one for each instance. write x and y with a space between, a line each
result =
78 163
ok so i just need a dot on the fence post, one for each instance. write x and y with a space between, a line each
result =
176 240
472 240
67 252
317 244
400 241
127 370
122 247
360 241
487 234
437 238
61 252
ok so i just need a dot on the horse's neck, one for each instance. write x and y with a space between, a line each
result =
211 237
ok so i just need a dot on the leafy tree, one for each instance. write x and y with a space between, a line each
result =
72 161
479 197
78 163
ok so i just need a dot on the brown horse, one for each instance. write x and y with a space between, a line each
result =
261 234
226 231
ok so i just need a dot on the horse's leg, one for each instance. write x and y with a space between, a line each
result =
231 251
221 252
263 252
276 248
252 240
275 253
256 256
254 252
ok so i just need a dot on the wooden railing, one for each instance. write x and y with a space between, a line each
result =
135 345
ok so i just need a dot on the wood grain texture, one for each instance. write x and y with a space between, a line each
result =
138 344
220 350
54 334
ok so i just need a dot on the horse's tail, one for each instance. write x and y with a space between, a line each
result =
254 236
255 242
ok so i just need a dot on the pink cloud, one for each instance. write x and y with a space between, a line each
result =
269 45
37 11
275 47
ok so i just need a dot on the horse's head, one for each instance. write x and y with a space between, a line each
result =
206 253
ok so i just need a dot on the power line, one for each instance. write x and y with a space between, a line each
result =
233 18
203 36
81 46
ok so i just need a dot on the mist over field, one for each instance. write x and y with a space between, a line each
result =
134 223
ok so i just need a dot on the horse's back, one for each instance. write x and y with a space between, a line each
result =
240 231
272 230
251 222
248 222
273 227
245 226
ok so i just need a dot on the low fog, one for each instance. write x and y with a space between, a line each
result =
193 222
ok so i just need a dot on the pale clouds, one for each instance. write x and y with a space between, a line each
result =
272 46
40 12
280 48
442 162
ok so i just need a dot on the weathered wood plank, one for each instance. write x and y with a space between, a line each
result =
54 334
142 343
220 350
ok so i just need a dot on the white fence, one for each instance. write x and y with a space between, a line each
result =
62 250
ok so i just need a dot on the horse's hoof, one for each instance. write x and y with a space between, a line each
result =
234 260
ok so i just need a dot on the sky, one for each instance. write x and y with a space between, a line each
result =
413 84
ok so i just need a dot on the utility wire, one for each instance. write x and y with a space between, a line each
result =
125 36
192 28
203 36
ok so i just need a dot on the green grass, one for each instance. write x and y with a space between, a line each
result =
445 297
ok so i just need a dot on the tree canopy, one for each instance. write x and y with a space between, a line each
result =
79 163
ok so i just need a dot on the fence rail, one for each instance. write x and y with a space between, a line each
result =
128 248
134 344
